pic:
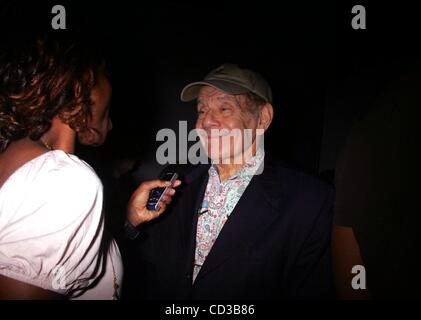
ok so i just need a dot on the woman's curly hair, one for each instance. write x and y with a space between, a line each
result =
40 79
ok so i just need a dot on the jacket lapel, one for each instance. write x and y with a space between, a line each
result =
192 202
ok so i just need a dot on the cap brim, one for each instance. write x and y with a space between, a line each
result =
191 91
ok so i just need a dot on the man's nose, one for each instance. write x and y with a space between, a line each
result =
210 120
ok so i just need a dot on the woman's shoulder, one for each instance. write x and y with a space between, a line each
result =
60 169
53 174
62 164
54 187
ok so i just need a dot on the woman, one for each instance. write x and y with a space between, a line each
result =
52 243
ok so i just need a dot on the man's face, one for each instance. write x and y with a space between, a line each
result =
99 123
224 118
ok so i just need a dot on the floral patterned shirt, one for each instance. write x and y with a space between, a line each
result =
218 203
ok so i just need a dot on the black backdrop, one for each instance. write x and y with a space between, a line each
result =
156 48
323 73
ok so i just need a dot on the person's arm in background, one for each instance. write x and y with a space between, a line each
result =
346 254
351 184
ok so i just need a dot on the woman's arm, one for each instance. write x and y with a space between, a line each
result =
11 289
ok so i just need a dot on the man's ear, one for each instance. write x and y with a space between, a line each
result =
265 116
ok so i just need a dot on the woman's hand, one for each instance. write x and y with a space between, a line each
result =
137 213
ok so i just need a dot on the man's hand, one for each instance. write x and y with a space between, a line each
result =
136 210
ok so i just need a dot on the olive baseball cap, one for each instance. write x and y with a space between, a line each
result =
231 79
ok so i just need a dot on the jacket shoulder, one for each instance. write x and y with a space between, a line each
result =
291 180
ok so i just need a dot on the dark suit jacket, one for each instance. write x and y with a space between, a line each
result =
275 244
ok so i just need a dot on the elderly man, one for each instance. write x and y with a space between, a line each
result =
240 227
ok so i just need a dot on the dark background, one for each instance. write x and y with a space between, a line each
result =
156 48
324 74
